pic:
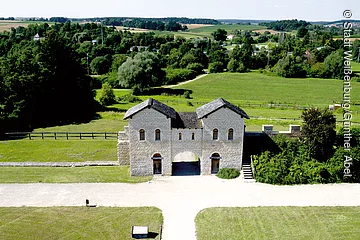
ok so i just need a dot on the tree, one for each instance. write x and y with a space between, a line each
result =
101 65
219 35
107 96
216 67
141 72
334 65
319 132
117 61
301 32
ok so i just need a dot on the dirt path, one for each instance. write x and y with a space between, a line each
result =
182 83
180 198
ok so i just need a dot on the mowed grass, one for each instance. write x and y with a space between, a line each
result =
58 150
355 67
261 88
261 223
68 175
110 121
77 222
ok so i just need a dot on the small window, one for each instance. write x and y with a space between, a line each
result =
215 134
180 136
157 135
193 136
231 134
142 134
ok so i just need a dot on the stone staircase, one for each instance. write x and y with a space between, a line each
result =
247 172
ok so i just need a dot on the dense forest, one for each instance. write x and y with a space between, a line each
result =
285 25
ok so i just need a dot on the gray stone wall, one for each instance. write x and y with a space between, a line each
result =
141 152
186 144
230 150
123 148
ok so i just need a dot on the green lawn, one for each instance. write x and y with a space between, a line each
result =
68 175
261 88
77 222
307 223
58 150
355 67
108 122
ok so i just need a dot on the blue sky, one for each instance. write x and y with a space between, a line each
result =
224 9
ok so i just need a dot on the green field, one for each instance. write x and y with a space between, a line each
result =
281 223
50 150
206 31
228 27
355 67
77 222
68 175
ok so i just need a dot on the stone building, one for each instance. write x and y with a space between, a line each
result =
156 134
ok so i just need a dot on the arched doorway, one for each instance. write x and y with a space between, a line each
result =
215 163
186 164
157 168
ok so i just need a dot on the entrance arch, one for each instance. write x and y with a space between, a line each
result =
186 164
157 165
215 163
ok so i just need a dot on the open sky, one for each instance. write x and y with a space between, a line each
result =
218 9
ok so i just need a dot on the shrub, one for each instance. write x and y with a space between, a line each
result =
107 96
186 95
196 67
216 67
228 173
129 98
179 75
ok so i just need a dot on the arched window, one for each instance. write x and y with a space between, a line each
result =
157 135
180 136
142 134
231 134
215 134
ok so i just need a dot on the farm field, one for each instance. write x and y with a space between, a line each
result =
7 25
283 223
77 222
205 31
68 175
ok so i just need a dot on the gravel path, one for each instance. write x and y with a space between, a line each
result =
180 198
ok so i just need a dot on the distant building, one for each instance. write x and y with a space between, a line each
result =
37 37
230 37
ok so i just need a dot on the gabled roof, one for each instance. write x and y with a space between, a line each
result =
151 103
186 120
211 107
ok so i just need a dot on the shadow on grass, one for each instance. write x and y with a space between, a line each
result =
164 91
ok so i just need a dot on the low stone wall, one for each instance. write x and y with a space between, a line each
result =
123 148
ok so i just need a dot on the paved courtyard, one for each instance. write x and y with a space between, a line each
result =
180 198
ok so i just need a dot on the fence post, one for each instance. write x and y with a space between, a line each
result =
42 135
105 135
67 136
55 135
80 136
92 134
29 135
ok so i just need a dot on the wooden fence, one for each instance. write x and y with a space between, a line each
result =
62 135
